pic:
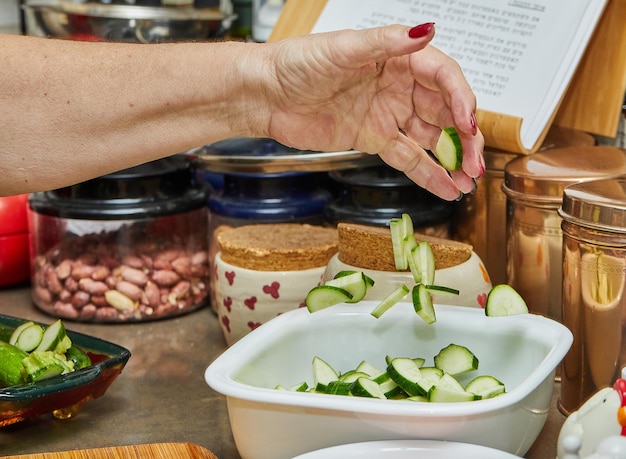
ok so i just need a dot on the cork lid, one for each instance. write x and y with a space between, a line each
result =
596 204
542 177
278 246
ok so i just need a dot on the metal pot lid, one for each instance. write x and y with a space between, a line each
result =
543 176
242 155
596 204
114 11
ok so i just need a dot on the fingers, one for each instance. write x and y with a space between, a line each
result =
473 160
407 156
443 98
383 43
437 72
466 184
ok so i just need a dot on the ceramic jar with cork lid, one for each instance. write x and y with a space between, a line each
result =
534 186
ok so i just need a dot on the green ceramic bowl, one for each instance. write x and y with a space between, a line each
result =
61 395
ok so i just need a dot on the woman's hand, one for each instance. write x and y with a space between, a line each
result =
382 91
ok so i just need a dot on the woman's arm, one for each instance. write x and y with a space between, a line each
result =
73 111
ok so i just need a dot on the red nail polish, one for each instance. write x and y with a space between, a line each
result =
474 124
421 30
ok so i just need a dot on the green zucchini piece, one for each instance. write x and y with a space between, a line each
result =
365 387
40 365
28 338
504 300
391 299
485 386
455 360
78 357
423 304
11 369
368 280
323 373
324 296
449 150
355 284
55 338
406 374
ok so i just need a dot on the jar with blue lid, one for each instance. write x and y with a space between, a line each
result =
239 198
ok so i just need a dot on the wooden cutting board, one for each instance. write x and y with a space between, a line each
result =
151 451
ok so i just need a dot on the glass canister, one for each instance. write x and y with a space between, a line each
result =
240 198
594 274
374 195
534 187
128 246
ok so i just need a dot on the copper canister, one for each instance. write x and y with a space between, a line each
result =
480 217
594 274
534 187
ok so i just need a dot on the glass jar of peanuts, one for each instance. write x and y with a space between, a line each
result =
128 246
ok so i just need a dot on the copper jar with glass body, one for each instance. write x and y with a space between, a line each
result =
534 185
594 274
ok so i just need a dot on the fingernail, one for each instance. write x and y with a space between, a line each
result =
474 123
482 165
475 186
460 197
421 30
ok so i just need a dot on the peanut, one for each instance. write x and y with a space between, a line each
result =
133 261
65 310
64 269
99 301
92 287
81 271
42 294
87 279
133 275
52 280
106 314
153 294
165 277
119 301
100 273
88 312
182 266
132 291
80 299
71 284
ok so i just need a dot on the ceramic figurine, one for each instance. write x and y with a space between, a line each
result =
598 429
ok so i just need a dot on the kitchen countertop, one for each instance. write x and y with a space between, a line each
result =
161 395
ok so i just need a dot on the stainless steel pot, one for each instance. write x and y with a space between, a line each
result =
128 23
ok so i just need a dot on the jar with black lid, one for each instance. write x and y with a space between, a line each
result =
374 195
127 246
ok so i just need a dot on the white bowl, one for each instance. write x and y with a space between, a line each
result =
407 449
470 278
522 351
